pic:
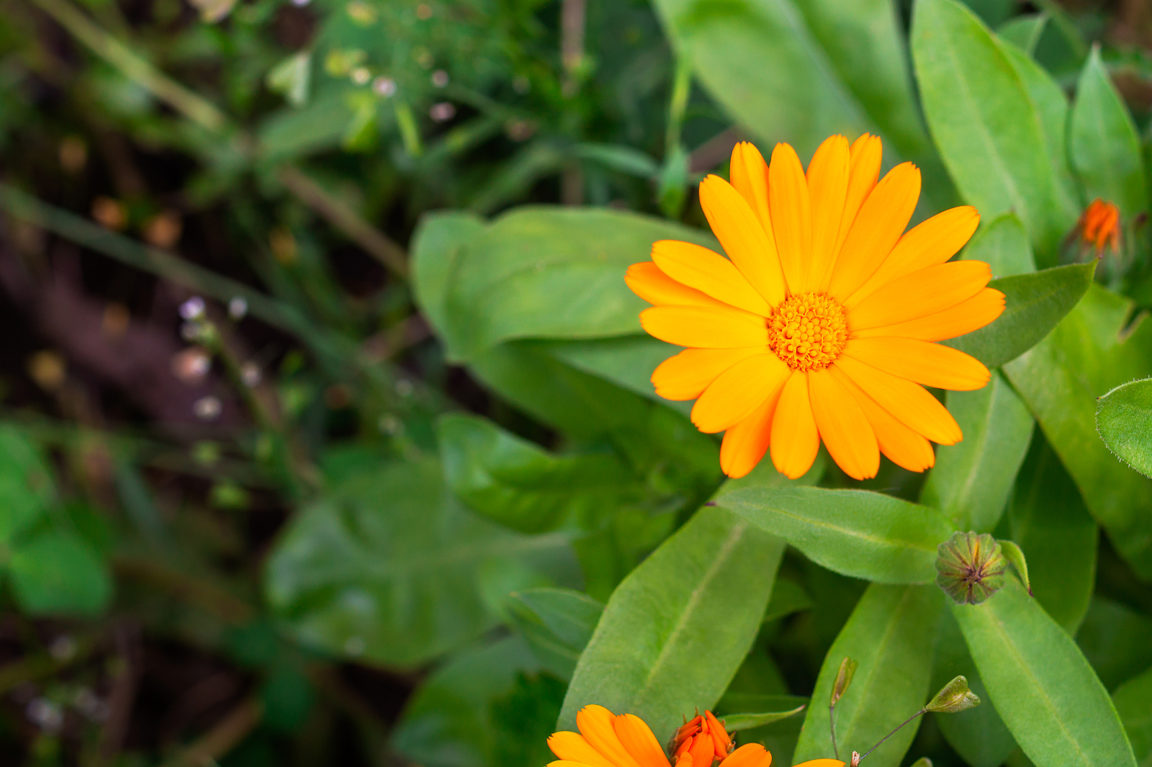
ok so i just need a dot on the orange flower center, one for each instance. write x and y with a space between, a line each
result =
808 331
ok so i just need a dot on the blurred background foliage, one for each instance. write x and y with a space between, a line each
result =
259 508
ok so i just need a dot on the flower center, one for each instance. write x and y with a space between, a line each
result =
808 331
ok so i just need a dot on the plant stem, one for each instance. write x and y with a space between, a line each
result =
907 721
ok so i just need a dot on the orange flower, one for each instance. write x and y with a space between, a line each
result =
607 740
821 324
1100 225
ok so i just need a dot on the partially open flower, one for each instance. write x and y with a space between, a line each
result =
705 738
1100 226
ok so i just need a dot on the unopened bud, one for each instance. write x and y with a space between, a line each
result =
953 697
922 762
970 567
843 680
704 739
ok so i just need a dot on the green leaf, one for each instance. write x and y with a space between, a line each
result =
853 532
1035 304
1024 31
291 78
1041 685
557 623
1133 701
738 722
1049 521
1124 420
519 485
389 568
57 572
1114 638
982 116
797 68
25 483
677 628
1091 351
892 632
438 245
972 480
1104 144
1002 243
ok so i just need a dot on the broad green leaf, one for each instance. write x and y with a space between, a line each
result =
1104 144
1124 419
798 70
1040 684
677 628
521 486
1024 31
1035 303
990 132
487 705
738 722
854 532
1049 521
56 572
1002 243
891 634
787 598
557 624
972 480
25 483
1133 701
1090 352
1114 638
390 568
438 244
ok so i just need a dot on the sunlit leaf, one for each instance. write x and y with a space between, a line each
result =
1124 418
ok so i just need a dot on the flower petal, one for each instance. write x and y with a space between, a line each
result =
709 273
903 446
743 237
704 327
685 375
595 723
791 216
924 362
647 281
864 168
919 294
750 178
638 739
821 763
843 427
828 189
738 391
749 755
795 440
746 441
910 403
571 747
929 243
881 221
968 315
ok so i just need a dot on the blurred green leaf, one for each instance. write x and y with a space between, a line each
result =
1002 243
1035 304
1088 353
1048 519
57 572
387 567
788 597
1041 685
972 480
892 632
291 77
677 628
1104 145
1124 419
1133 701
557 624
521 486
854 532
25 483
989 130
1024 31
1114 638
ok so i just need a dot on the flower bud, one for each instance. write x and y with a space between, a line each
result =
970 567
953 697
843 680
704 738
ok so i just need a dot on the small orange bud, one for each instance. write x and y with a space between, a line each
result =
1100 226
704 739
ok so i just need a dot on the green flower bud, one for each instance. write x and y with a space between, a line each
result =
970 567
953 697
843 679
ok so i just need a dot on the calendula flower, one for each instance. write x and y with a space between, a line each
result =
1100 225
608 740
822 323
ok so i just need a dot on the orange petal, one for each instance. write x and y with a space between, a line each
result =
929 243
864 168
685 375
795 440
921 361
709 273
596 725
720 327
750 178
743 237
910 403
919 294
647 281
822 763
881 221
968 315
903 446
638 739
749 755
571 747
827 187
746 442
738 391
843 427
791 216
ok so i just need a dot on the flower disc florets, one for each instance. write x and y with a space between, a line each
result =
808 331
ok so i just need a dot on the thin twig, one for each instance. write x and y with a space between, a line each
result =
222 738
